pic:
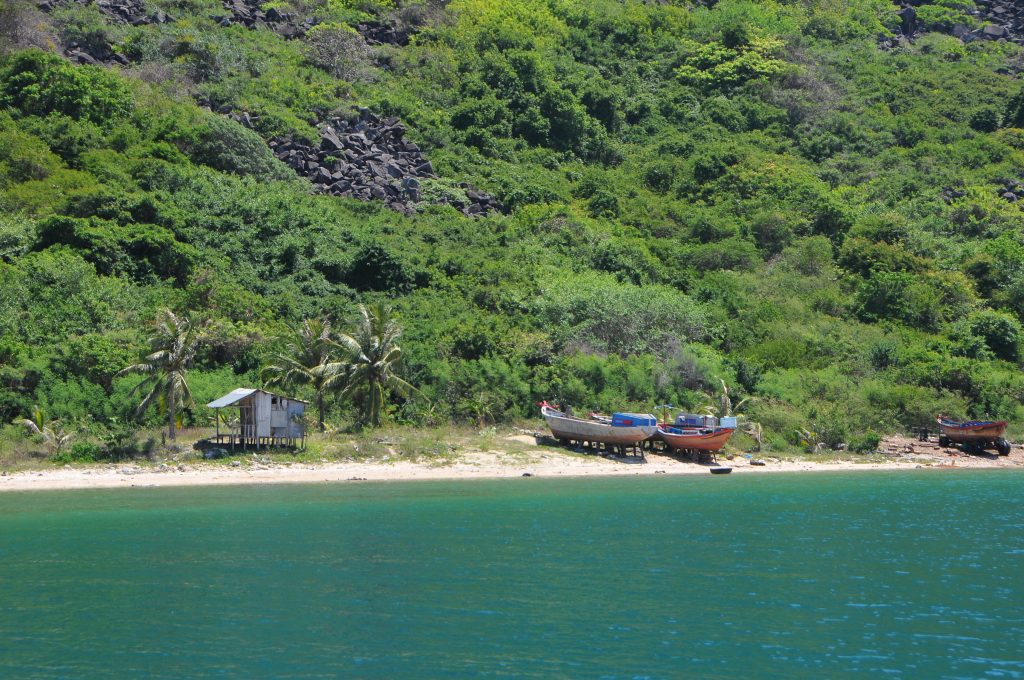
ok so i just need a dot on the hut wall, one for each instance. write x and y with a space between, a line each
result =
262 400
296 409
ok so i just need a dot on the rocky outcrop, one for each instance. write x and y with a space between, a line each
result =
952 193
250 14
1012 190
1006 17
384 33
1004 20
370 159
131 12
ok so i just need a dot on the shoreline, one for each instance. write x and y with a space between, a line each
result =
476 465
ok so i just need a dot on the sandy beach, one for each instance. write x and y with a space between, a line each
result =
899 454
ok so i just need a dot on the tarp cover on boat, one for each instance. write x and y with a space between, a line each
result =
695 420
633 420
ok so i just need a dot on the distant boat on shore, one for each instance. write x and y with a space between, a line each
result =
621 429
685 439
700 433
975 435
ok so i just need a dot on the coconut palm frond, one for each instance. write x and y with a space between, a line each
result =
135 368
372 361
402 387
30 425
309 358
154 395
743 402
173 347
52 434
353 347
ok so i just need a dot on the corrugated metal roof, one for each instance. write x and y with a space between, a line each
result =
235 396
232 397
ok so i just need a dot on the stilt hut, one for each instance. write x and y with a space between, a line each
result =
264 419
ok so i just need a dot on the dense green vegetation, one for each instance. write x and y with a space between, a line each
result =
754 193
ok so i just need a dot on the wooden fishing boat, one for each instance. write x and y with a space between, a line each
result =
975 435
972 430
622 429
684 439
721 470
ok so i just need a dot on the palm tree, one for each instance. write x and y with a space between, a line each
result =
368 372
173 344
304 360
725 408
52 433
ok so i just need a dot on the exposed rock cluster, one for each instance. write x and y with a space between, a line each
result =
122 11
1007 19
132 12
1004 18
1012 190
250 14
92 56
950 194
369 159
379 33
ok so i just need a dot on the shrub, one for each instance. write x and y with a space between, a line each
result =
341 51
376 269
24 157
985 120
138 250
80 452
733 253
865 443
86 26
810 256
772 231
883 354
225 145
39 84
943 16
1000 333
603 204
727 64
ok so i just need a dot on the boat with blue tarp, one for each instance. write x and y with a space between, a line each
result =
621 429
701 433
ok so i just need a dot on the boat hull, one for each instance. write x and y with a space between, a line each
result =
972 432
578 429
696 441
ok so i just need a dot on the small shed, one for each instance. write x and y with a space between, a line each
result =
264 418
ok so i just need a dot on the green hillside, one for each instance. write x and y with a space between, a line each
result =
626 204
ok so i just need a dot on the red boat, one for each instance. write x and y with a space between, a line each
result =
976 435
685 439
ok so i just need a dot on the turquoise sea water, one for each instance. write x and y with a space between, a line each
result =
749 576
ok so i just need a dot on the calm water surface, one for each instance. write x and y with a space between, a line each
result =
768 576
